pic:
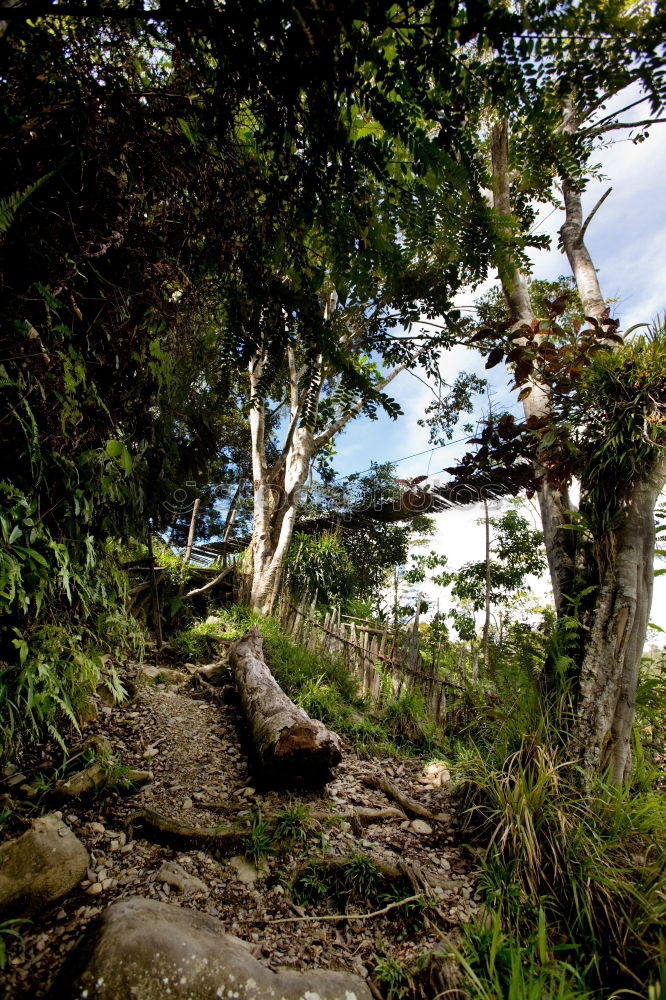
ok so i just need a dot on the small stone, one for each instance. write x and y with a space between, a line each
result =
245 870
115 845
187 803
108 883
126 848
150 753
96 827
95 889
420 826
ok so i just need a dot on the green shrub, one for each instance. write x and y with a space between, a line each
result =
407 722
595 863
63 624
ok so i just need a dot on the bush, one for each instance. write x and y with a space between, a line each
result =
595 863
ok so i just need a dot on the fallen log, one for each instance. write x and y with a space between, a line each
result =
293 748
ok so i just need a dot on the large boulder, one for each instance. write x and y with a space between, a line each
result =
143 949
40 866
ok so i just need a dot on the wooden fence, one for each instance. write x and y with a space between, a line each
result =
385 661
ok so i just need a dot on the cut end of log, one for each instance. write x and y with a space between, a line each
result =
305 753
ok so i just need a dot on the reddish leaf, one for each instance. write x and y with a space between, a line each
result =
560 303
495 357
524 370
524 393
419 479
482 335
577 325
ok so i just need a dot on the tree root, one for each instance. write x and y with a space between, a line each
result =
363 816
163 830
410 805
101 773
228 838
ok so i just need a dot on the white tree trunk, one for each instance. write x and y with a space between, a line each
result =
554 503
277 490
276 507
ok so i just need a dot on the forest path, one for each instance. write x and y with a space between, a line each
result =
202 765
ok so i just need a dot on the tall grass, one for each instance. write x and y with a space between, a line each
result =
594 864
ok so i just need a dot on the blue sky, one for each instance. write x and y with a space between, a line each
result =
627 241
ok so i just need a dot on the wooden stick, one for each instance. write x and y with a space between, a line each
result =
337 916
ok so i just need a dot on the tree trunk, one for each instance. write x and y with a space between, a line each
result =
554 504
293 748
605 709
277 489
617 623
275 510
486 619
190 535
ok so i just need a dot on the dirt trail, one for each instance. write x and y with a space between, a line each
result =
202 766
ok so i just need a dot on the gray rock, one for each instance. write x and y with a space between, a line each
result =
175 875
246 872
41 866
420 826
147 950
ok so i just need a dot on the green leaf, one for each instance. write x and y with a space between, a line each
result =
187 131
114 448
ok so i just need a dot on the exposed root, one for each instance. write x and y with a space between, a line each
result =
100 773
163 830
410 805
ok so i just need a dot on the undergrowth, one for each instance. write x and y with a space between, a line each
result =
576 882
355 880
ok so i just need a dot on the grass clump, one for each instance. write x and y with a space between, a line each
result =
406 720
499 965
199 642
392 976
590 867
354 880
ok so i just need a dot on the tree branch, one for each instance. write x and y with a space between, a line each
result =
339 916
322 439
615 126
593 213
211 583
